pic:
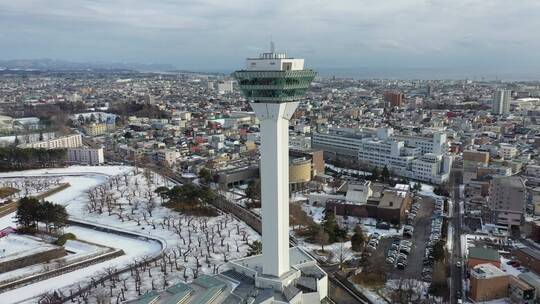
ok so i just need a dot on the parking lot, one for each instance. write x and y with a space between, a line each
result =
409 249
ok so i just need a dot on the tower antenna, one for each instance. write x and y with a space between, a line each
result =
272 46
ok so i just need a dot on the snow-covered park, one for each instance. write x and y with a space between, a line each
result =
123 198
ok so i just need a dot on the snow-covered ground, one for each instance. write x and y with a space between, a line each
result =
346 170
30 186
71 170
427 190
15 246
133 249
130 204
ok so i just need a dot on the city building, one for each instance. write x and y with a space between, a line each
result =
345 142
488 282
274 83
364 199
507 151
533 280
529 257
6 124
507 200
63 142
480 255
501 102
85 156
225 86
394 99
167 157
418 157
95 129
520 292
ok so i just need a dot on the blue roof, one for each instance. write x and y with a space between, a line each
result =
179 293
208 281
209 295
148 297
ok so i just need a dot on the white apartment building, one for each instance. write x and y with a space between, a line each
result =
225 86
435 143
342 141
507 151
167 156
433 168
86 156
421 157
501 102
405 161
64 142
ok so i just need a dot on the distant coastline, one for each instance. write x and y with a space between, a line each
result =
488 74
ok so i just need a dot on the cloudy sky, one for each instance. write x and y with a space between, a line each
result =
218 34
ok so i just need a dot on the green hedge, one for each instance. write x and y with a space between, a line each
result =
62 239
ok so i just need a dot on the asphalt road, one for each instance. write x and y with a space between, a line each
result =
456 288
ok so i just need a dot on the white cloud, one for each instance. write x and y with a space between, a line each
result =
421 31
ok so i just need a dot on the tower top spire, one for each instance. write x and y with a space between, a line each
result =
272 46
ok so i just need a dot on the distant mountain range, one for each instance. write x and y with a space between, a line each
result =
52 64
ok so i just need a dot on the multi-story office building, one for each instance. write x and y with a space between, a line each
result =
348 141
433 168
394 99
418 157
69 141
86 156
340 141
501 102
507 200
488 283
434 143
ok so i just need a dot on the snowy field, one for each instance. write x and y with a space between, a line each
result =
30 186
14 246
114 196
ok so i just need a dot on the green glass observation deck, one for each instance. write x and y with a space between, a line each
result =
274 86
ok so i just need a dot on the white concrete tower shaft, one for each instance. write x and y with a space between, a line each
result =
274 170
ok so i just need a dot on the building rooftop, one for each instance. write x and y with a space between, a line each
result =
392 199
487 271
530 252
484 254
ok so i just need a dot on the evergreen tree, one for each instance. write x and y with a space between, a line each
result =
205 175
375 174
438 250
358 239
385 175
162 192
322 237
330 226
253 190
27 212
30 212
60 218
